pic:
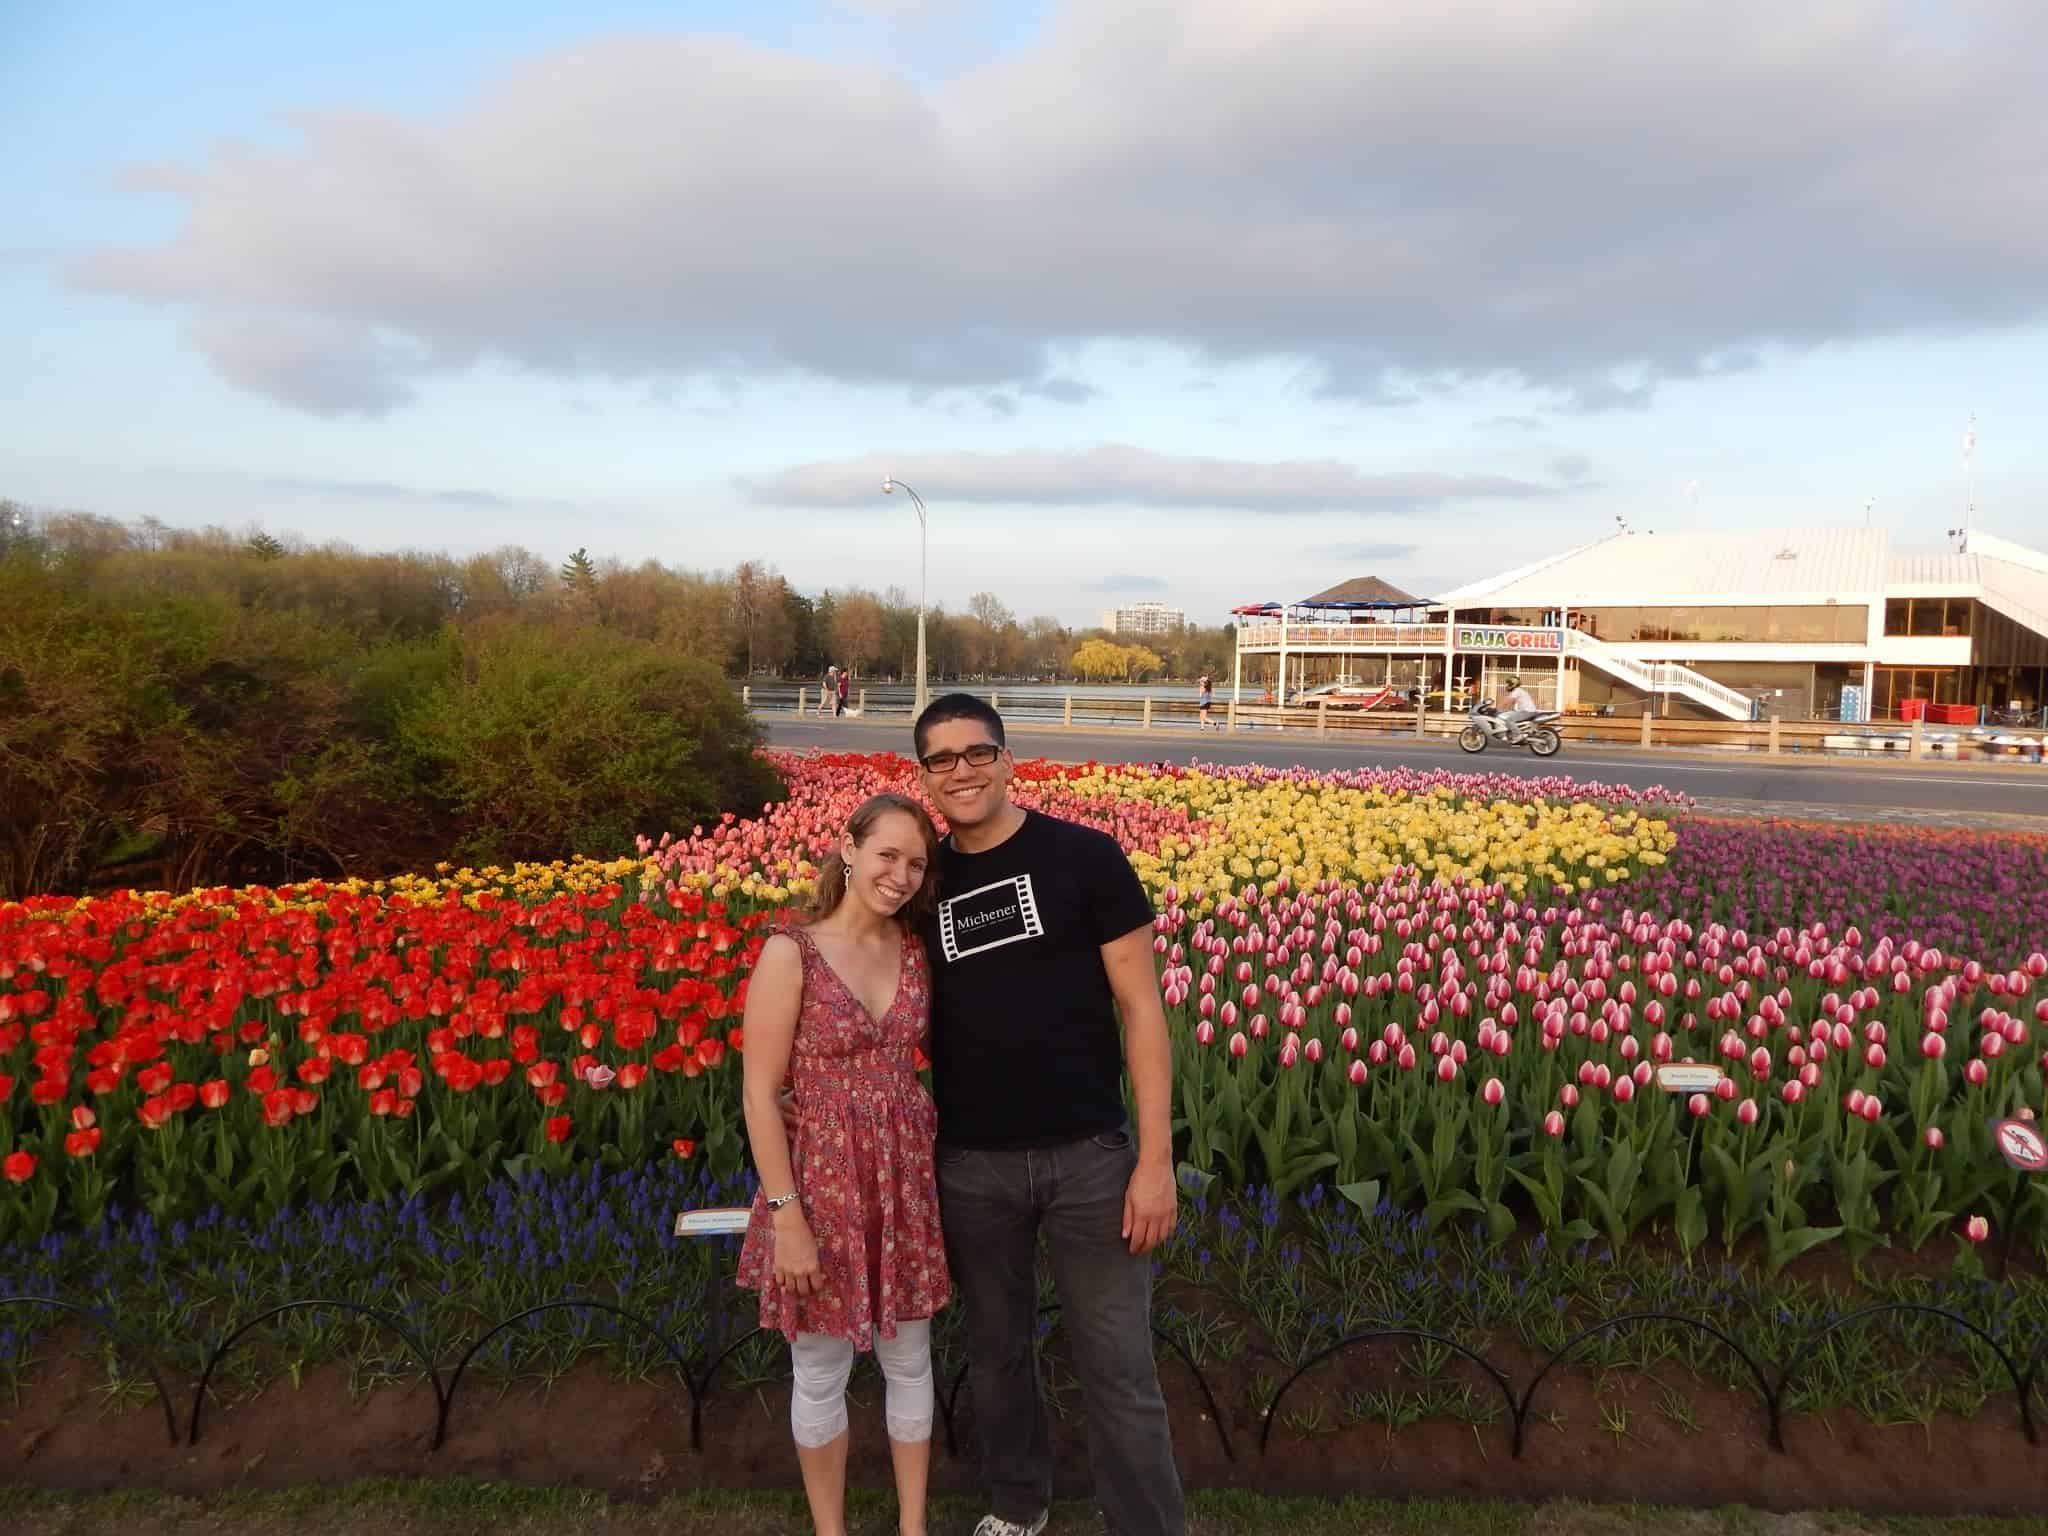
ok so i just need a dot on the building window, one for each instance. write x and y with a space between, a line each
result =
1927 617
1788 624
1892 687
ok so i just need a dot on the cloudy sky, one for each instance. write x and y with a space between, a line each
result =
1204 300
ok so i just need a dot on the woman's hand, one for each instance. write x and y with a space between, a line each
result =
796 1254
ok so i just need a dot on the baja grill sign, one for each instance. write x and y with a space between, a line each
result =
1475 637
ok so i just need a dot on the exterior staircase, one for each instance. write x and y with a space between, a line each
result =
1654 677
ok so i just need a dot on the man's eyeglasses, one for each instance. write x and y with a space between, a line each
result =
980 755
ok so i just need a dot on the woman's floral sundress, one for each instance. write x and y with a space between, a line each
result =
864 1161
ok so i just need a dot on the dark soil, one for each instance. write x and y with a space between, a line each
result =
1607 1439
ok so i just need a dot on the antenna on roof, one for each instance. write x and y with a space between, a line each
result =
1868 503
1962 535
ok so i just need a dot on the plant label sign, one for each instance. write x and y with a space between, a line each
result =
716 1221
2019 1143
1689 1077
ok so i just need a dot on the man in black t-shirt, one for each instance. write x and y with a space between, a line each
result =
1041 941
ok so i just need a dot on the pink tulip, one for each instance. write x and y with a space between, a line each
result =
1793 1091
1933 1046
1931 1138
1239 1045
1349 1040
1746 1112
1568 1095
1406 1060
1976 1074
1872 1108
1205 1033
1313 1050
1553 1124
1356 1073
1700 1105
1493 1091
1624 1089
1977 1229
1873 1058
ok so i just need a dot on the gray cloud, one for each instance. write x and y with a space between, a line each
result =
1370 552
1124 581
1062 390
1511 424
1586 197
1571 467
386 490
1119 474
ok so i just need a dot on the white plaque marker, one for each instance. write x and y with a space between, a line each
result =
717 1221
1689 1077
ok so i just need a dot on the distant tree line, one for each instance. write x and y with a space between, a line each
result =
181 709
198 707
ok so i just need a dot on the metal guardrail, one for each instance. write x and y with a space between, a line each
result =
1177 714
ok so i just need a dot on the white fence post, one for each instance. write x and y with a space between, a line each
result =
800 698
1148 712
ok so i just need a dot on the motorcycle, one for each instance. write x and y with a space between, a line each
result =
1488 727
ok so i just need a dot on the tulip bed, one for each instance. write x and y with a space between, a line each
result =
1445 992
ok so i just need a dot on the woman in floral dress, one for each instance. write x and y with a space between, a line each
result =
844 1245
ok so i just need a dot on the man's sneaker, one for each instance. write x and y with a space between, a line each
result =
996 1525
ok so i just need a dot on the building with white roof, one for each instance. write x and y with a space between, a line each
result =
1825 623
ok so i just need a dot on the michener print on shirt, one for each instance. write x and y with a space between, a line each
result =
989 917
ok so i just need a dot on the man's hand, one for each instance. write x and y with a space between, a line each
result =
790 1118
1151 1206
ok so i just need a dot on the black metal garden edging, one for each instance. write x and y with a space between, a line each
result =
116 1336
2024 1378
395 1324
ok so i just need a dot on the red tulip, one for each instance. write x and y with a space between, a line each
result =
559 1128
1976 1229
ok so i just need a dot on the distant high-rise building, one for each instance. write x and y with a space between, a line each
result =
1144 619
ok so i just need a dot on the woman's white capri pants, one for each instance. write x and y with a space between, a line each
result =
817 1403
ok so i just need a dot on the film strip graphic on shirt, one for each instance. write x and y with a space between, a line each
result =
988 917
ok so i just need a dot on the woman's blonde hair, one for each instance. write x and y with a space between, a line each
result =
831 887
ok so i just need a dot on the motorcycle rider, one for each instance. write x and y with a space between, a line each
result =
1519 705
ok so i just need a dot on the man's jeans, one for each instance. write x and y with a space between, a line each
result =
993 1206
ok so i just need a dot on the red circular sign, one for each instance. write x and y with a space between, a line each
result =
2021 1145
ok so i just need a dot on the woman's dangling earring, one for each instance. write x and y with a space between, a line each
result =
847 869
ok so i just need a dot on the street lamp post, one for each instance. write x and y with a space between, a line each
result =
889 487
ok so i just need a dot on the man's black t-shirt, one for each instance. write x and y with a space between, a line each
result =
1025 1048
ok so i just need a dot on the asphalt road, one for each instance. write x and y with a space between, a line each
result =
1938 793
